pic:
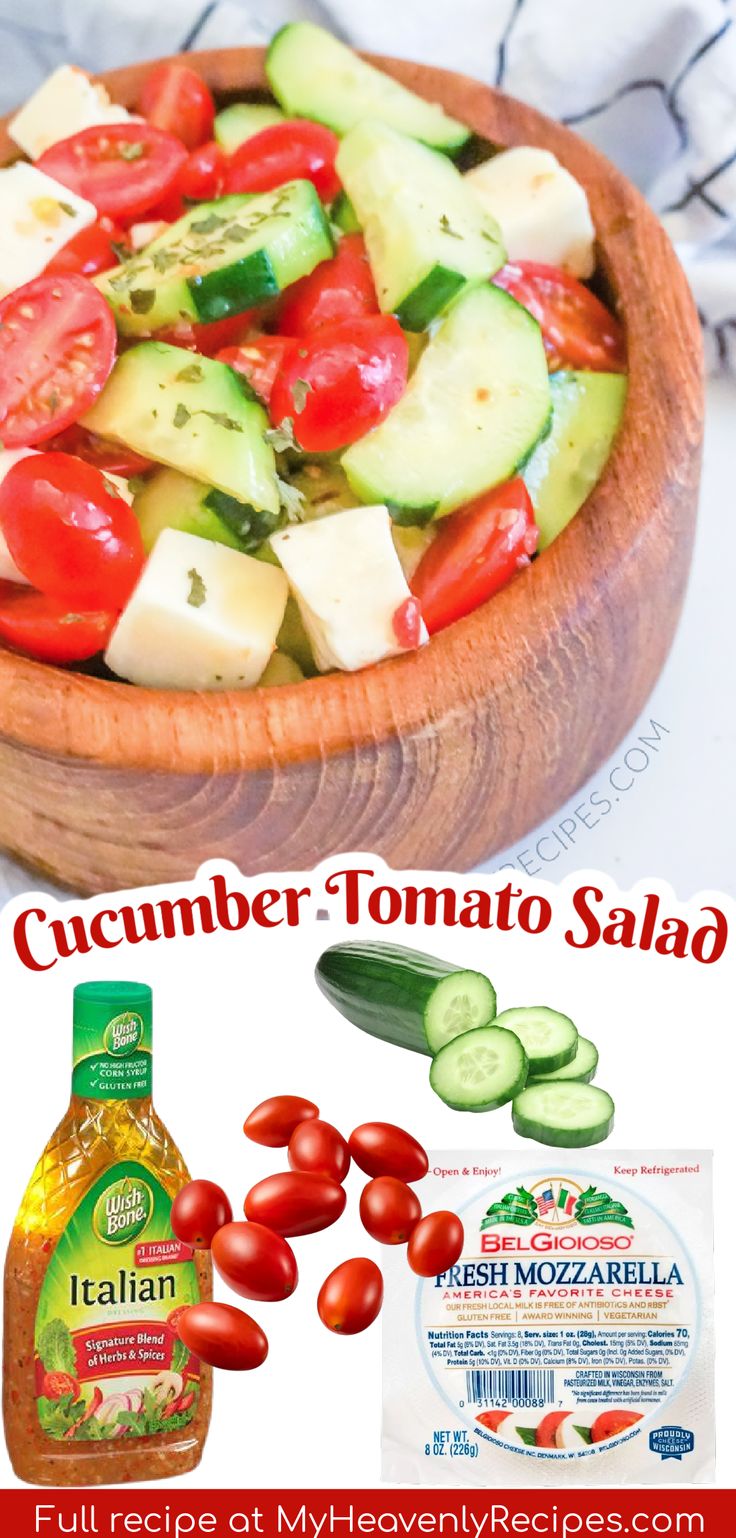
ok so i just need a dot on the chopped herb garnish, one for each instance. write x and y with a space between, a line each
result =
221 419
192 374
208 224
181 415
131 149
121 252
197 591
446 227
235 233
162 260
300 389
291 499
281 437
66 208
142 300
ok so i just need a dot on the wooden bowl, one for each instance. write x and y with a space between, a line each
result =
436 759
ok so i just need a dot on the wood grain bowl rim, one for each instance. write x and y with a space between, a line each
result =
53 711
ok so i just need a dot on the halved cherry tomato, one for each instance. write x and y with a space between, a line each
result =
259 360
203 173
282 152
339 382
57 347
435 1244
318 1146
209 337
380 1148
223 1336
123 168
176 98
337 289
611 1423
56 1385
70 532
91 250
273 1121
546 1432
350 1298
389 1209
295 1203
578 330
255 1261
113 458
49 631
492 1419
475 552
197 1211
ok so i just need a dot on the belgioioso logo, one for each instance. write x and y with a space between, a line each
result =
556 1202
123 1034
122 1211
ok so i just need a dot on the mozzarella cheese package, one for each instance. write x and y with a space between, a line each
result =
572 1340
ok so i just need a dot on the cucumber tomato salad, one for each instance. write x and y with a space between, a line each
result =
285 387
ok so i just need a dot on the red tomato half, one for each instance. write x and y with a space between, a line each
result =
546 1433
492 1419
318 1146
223 1336
123 168
339 382
284 152
389 1209
49 631
114 458
475 551
295 1203
350 1298
197 1211
90 251
57 347
209 337
380 1148
69 531
203 173
56 1385
435 1244
176 98
255 1262
259 360
338 289
273 1121
578 331
611 1423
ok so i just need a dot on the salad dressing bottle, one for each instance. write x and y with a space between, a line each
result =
97 1386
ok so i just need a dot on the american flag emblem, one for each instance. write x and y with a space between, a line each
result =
546 1201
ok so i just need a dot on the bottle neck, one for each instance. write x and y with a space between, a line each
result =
112 1052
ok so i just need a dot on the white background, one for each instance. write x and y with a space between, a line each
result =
238 1017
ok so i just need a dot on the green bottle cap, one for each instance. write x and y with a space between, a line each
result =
112 1041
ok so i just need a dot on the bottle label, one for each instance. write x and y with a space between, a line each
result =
109 1362
112 1056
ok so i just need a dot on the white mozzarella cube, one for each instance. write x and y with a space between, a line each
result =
542 210
67 101
203 616
347 580
38 216
8 570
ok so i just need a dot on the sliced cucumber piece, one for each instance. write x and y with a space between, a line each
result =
314 75
426 233
480 1070
549 1039
193 414
239 122
475 406
221 258
581 1067
403 996
170 500
564 1115
586 414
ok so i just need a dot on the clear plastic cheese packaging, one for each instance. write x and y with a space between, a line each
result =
572 1342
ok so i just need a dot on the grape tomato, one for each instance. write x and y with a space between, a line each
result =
436 1243
389 1210
273 1121
256 1262
351 1296
380 1148
57 348
198 1210
223 1336
318 1146
295 1203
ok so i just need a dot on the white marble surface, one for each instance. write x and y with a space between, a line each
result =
674 815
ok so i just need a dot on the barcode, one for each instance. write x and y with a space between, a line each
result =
522 1387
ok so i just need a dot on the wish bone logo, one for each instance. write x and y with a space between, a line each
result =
556 1202
122 1211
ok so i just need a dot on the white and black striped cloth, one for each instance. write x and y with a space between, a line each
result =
651 82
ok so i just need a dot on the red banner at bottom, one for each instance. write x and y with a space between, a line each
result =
411 1513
